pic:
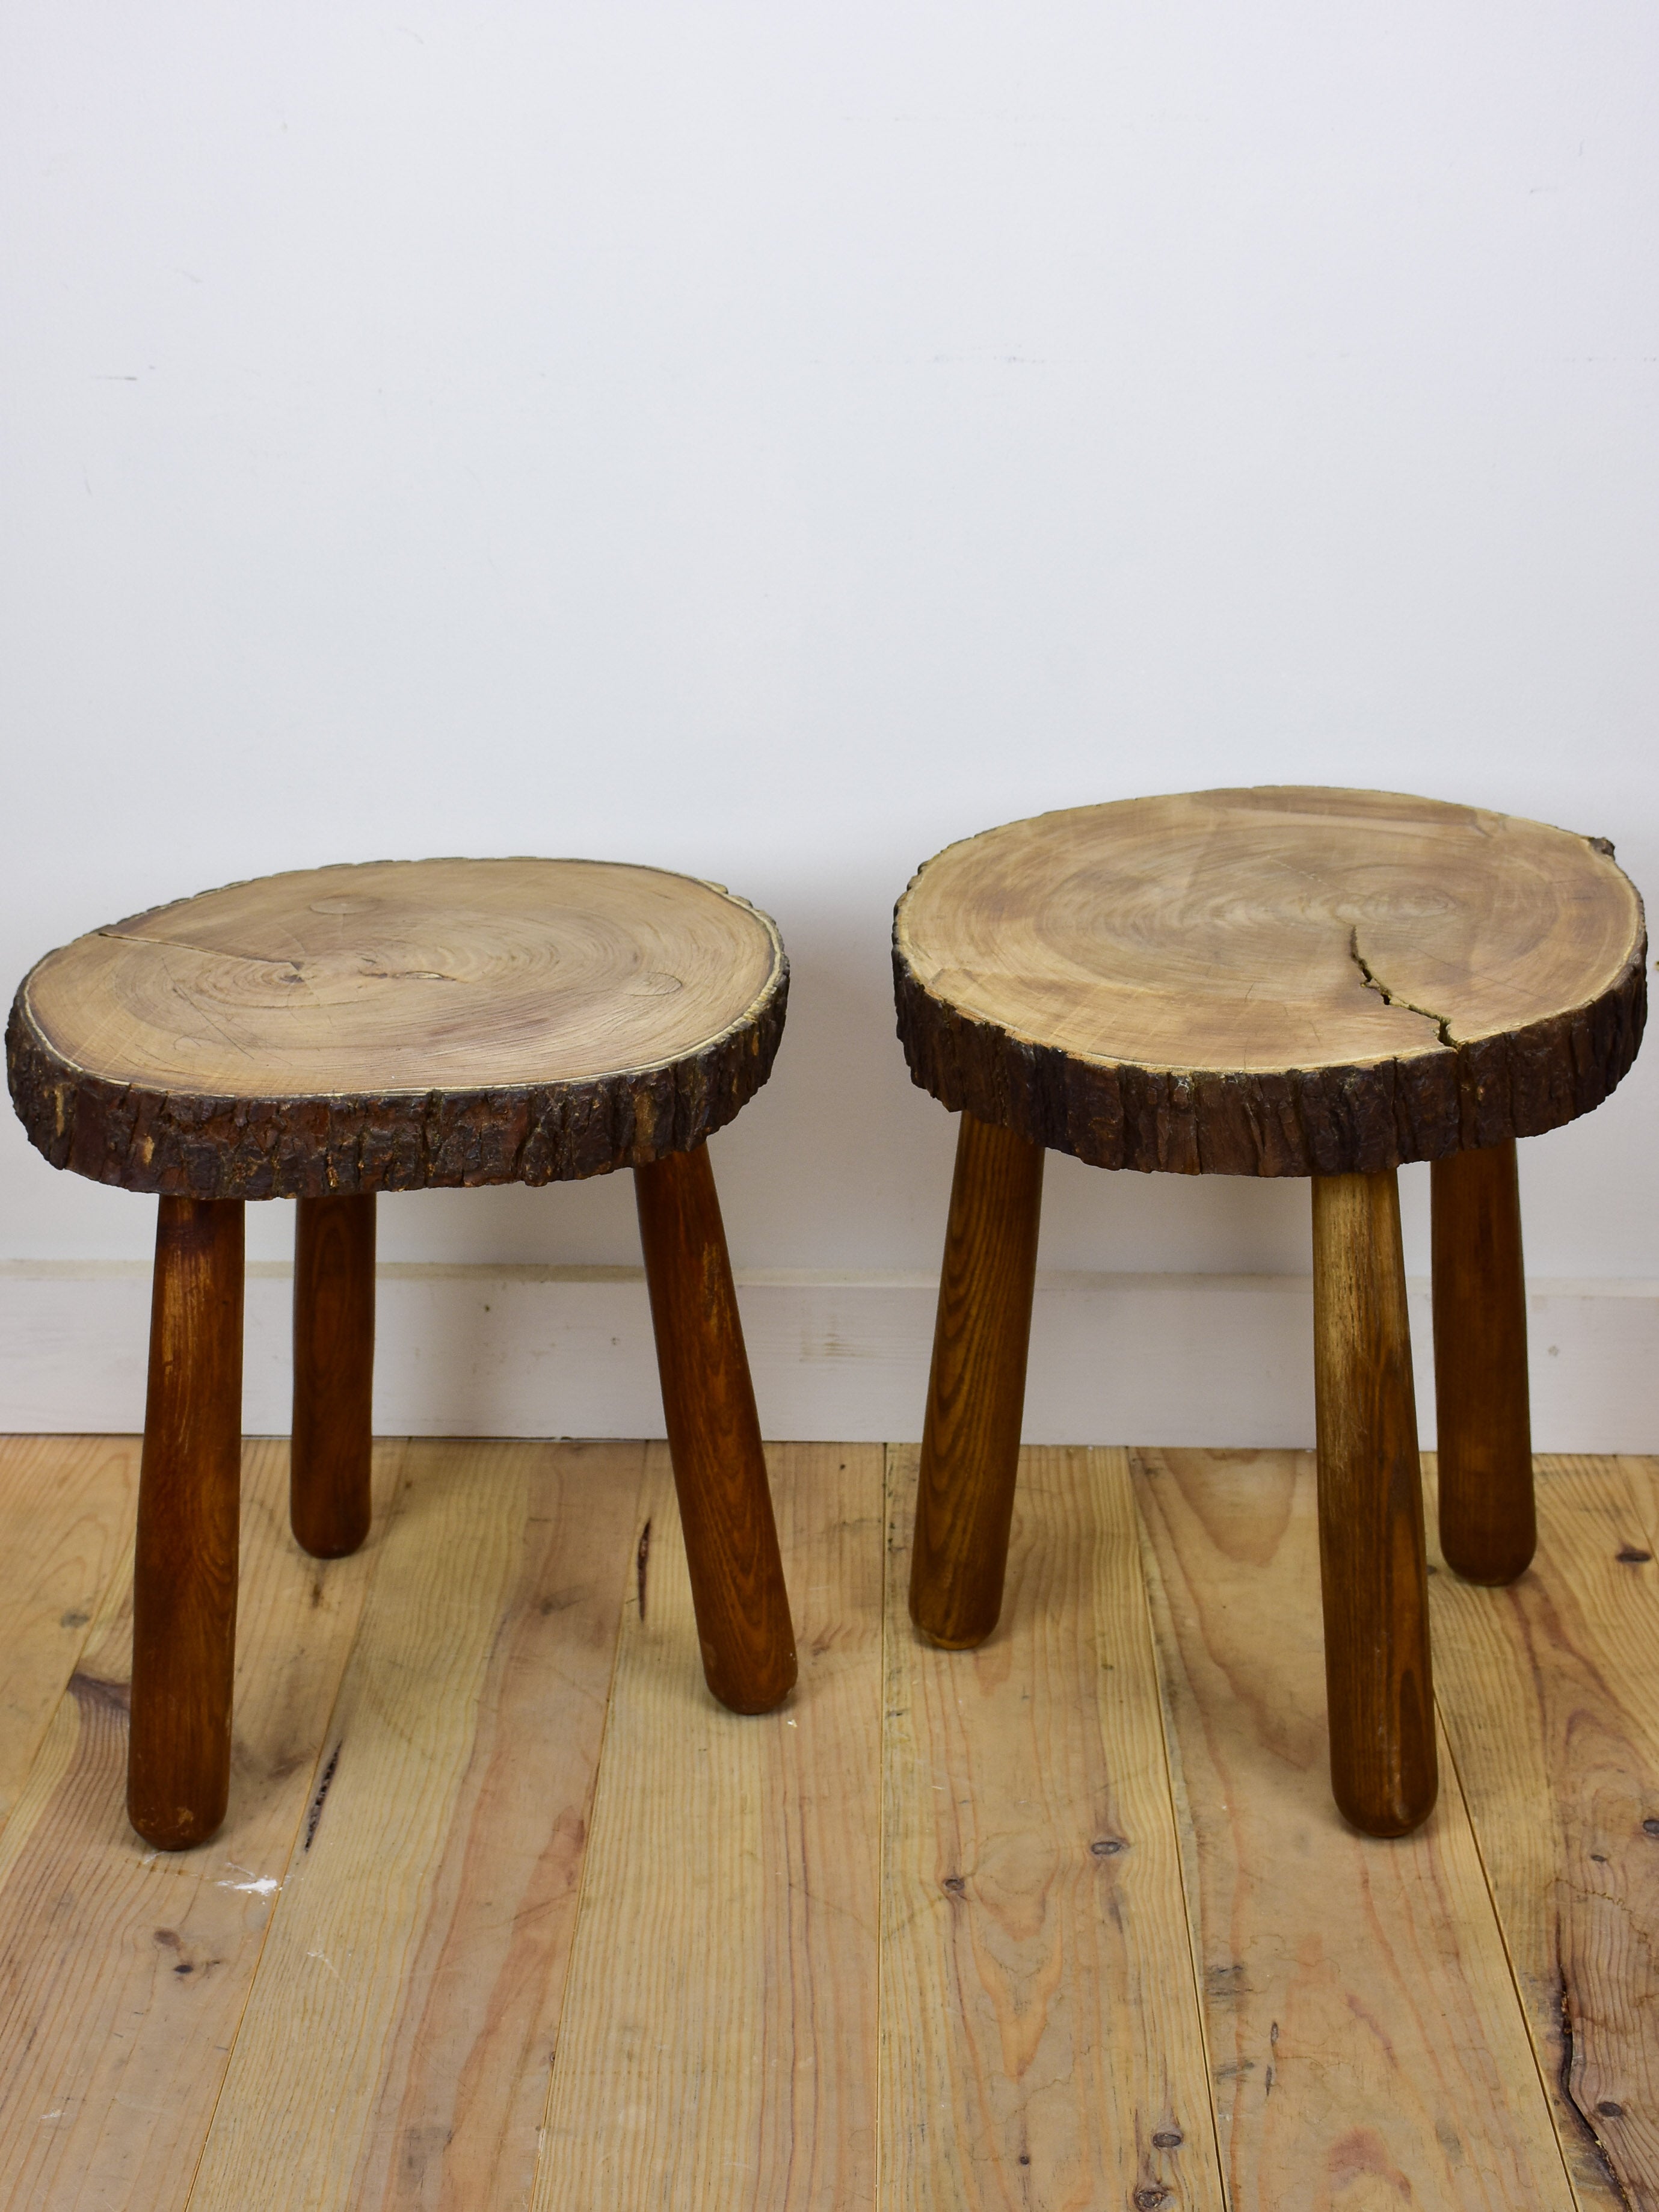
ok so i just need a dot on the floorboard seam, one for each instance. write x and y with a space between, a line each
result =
889 1461
1504 1938
629 1570
1189 1904
122 1567
399 1492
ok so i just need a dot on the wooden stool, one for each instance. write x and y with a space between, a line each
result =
1273 982
406 1025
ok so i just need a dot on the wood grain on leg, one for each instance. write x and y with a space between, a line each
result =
1488 1523
184 1605
713 1435
976 1387
1372 1567
333 1373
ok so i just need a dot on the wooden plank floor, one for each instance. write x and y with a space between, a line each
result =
506 1913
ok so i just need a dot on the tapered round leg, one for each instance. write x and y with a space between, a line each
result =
713 1438
976 1390
183 1598
333 1374
1488 1526
1372 1567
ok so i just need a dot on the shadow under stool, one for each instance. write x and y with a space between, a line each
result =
1278 981
402 1025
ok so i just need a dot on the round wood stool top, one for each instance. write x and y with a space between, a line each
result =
1273 982
399 1026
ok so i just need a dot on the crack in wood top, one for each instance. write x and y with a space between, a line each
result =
1236 981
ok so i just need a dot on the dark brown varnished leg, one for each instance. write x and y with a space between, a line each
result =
1372 1568
183 1598
1488 1528
333 1374
714 1436
976 1390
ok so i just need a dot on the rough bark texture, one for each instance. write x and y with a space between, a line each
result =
399 1026
195 1146
1298 1122
1339 1119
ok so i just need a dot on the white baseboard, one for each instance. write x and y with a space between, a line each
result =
1210 1360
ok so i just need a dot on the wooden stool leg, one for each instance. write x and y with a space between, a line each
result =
714 1436
976 1390
1372 1567
184 1597
1488 1528
333 1374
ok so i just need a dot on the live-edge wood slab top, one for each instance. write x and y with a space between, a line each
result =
1278 981
399 1024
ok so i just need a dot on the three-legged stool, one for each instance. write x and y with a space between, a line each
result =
404 1025
1273 982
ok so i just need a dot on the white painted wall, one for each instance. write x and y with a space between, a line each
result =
774 440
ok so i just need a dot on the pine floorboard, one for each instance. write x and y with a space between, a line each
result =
66 1506
508 1913
123 1971
1042 2039
718 2044
1550 1694
1366 2044
419 1944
